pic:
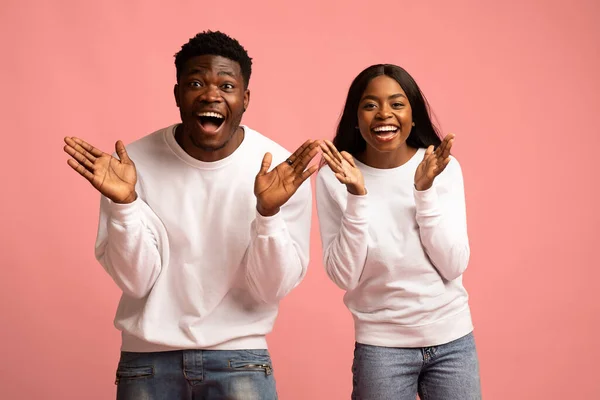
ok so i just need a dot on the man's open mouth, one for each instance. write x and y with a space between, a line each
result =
210 121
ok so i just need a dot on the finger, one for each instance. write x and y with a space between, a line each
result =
266 164
444 146
80 149
446 152
429 158
300 150
306 174
428 152
432 156
309 153
426 164
334 151
80 158
302 161
445 140
327 151
441 167
80 169
440 149
332 161
122 153
348 157
335 167
88 147
431 168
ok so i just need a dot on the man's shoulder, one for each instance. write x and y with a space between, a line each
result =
148 141
150 147
263 144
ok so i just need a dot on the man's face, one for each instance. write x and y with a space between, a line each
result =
212 98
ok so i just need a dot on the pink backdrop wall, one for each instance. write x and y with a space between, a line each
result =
517 81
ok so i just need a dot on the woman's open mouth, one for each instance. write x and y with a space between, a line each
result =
385 133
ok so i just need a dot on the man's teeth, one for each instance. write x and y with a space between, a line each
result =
210 114
387 128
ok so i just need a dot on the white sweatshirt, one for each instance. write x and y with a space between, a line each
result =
199 267
399 253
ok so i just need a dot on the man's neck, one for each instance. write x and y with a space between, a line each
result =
208 155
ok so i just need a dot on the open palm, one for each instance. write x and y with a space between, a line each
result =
433 164
114 178
345 169
274 188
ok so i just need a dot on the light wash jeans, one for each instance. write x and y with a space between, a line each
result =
195 375
446 372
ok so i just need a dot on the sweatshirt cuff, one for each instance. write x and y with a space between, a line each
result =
268 226
426 200
356 207
124 214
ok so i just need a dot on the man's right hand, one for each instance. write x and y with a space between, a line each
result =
113 178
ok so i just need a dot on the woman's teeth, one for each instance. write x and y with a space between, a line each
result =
386 132
386 128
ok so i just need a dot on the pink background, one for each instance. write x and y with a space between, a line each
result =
516 81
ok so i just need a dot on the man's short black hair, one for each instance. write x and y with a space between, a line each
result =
216 44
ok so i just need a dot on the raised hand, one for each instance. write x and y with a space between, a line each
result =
273 189
345 170
434 162
112 177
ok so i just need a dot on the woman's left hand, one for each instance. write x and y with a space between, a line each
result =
434 162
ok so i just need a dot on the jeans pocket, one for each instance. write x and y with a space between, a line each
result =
253 363
129 373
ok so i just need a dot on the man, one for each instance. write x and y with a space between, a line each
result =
201 261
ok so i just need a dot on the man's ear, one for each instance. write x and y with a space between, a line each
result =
246 99
176 94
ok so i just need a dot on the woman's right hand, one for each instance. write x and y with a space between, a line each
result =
345 170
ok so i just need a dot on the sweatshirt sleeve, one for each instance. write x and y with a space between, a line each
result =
344 234
278 254
131 245
442 219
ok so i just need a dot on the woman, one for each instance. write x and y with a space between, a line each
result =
395 239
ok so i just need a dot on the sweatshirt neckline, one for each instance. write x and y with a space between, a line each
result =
410 165
169 137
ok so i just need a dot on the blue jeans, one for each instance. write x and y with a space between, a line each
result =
446 372
195 375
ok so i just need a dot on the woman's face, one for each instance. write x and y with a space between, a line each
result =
384 115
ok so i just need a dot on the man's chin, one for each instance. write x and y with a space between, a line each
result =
209 143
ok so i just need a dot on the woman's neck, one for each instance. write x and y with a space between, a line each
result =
388 159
